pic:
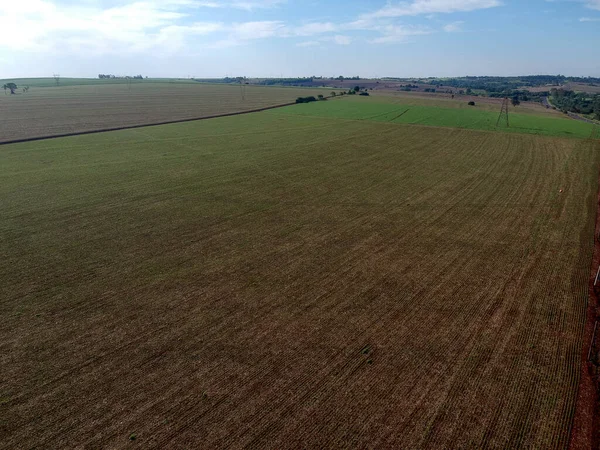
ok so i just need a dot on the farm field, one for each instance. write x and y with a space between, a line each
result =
461 102
65 81
582 87
444 113
67 109
294 278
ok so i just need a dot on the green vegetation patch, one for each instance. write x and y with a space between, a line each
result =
475 118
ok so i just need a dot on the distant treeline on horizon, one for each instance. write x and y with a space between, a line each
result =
103 76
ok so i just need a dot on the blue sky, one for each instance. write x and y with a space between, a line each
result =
258 38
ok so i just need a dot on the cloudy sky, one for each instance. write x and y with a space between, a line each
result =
216 38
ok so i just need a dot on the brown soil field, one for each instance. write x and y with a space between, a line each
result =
69 109
269 281
582 87
539 88
577 87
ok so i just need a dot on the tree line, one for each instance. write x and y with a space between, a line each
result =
103 76
506 85
577 102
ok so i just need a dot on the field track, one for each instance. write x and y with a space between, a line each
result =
279 281
585 433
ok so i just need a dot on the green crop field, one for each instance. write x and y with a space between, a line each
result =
444 113
297 278
48 111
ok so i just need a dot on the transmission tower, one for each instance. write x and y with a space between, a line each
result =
503 113
243 89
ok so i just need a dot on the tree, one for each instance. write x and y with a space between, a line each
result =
333 94
11 86
516 101
597 106
356 88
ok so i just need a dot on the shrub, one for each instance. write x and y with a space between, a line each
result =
366 94
306 99
471 103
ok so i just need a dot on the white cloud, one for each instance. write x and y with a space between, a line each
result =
248 5
593 4
342 40
308 44
139 26
590 19
362 24
453 27
242 33
175 36
256 30
41 25
310 29
418 7
209 4
399 33
166 26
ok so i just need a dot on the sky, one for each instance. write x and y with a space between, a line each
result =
289 38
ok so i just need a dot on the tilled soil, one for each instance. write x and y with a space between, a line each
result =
271 281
